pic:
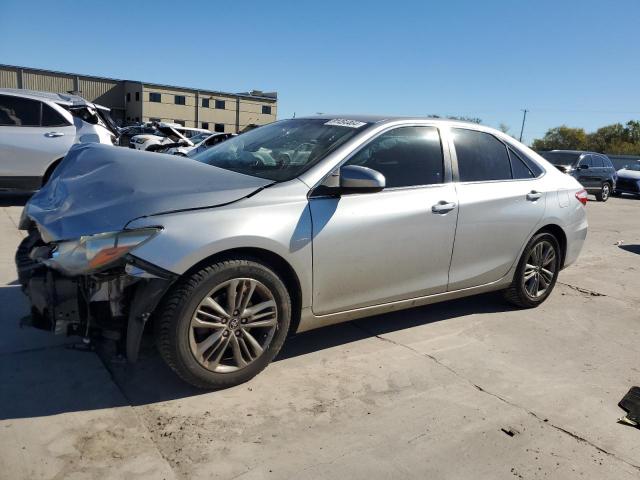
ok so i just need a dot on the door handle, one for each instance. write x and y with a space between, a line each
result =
54 134
532 196
443 207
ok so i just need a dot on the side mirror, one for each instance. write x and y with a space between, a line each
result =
356 179
584 167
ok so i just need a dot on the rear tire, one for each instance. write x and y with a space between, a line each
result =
207 332
537 272
604 193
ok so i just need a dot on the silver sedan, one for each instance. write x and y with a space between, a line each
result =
289 227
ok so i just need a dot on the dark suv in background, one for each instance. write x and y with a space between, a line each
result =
593 170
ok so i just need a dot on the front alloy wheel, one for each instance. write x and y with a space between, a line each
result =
222 325
233 325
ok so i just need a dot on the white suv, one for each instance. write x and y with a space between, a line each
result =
168 133
37 129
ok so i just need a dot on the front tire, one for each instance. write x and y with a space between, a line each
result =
604 193
224 324
537 272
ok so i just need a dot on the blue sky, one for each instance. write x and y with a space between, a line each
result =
571 62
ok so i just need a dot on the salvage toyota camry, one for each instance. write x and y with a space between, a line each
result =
292 226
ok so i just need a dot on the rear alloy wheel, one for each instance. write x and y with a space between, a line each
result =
224 324
604 193
537 272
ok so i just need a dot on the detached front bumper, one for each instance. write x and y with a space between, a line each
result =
119 301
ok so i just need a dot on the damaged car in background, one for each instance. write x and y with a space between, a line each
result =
165 136
292 226
37 129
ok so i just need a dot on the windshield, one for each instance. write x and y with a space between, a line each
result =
633 166
282 150
200 137
561 158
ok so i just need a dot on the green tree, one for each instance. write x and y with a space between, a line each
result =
562 138
614 139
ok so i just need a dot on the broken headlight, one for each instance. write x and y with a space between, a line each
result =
95 252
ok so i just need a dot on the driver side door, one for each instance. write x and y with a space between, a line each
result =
396 244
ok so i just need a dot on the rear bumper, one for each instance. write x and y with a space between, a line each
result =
576 235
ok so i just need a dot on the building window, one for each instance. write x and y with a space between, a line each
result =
220 104
128 97
179 122
155 97
137 96
180 100
205 103
266 109
205 125
219 127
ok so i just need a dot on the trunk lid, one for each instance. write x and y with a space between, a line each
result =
100 188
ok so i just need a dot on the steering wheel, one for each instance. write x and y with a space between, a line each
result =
300 148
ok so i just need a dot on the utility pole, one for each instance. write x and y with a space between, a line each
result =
524 118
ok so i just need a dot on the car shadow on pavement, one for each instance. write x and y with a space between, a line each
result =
42 376
13 199
633 248
151 381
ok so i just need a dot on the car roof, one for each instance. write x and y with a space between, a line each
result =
61 98
577 152
382 119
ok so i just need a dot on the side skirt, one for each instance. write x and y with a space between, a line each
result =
309 321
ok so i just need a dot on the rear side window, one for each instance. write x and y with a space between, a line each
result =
19 112
406 156
51 118
519 169
586 160
481 156
597 161
607 162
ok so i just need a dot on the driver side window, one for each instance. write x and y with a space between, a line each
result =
406 156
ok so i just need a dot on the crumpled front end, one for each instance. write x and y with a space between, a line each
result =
113 302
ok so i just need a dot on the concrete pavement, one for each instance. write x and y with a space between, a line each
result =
464 389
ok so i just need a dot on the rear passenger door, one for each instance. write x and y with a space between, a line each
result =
32 135
586 174
501 201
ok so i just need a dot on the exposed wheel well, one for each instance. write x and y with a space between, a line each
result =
49 171
273 260
557 232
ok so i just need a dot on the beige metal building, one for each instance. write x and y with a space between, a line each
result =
133 101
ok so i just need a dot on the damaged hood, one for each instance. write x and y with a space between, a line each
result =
99 188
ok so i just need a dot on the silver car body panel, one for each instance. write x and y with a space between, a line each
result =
359 254
99 188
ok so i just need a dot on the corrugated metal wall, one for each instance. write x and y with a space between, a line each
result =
8 78
104 92
47 82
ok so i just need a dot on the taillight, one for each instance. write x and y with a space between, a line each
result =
582 196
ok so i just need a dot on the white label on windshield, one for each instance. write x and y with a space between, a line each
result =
343 122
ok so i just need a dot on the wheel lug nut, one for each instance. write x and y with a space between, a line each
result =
237 333
224 320
244 320
225 333
236 312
